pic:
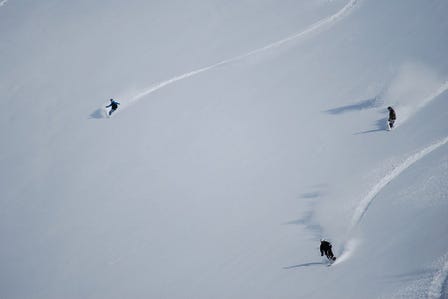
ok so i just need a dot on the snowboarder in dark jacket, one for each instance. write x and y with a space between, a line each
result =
392 117
114 105
325 248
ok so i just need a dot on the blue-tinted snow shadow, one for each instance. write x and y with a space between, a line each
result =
97 114
308 219
310 195
305 265
381 125
362 105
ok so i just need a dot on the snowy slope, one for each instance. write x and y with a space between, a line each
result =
247 131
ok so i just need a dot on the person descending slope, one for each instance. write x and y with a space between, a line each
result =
392 117
114 105
325 248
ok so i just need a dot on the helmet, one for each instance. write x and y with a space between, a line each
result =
389 108
111 100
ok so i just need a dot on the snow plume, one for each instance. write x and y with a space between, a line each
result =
347 250
414 86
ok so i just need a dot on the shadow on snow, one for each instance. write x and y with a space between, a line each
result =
381 125
362 105
305 265
97 114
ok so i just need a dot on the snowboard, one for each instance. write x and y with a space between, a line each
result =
331 261
388 126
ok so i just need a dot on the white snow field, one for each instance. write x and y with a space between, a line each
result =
247 131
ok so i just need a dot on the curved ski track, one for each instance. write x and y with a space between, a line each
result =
312 28
363 206
350 244
435 94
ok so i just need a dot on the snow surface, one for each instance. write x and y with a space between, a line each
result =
247 131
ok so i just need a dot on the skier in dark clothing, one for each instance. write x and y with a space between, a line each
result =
325 248
392 117
114 105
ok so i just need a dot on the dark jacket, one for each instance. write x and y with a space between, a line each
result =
392 115
113 105
325 247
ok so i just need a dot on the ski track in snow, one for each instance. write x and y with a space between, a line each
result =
3 2
363 206
349 246
367 200
312 28
435 94
347 250
442 88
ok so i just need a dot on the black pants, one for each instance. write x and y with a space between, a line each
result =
329 254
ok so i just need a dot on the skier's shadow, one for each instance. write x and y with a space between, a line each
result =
97 114
381 125
361 105
305 265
